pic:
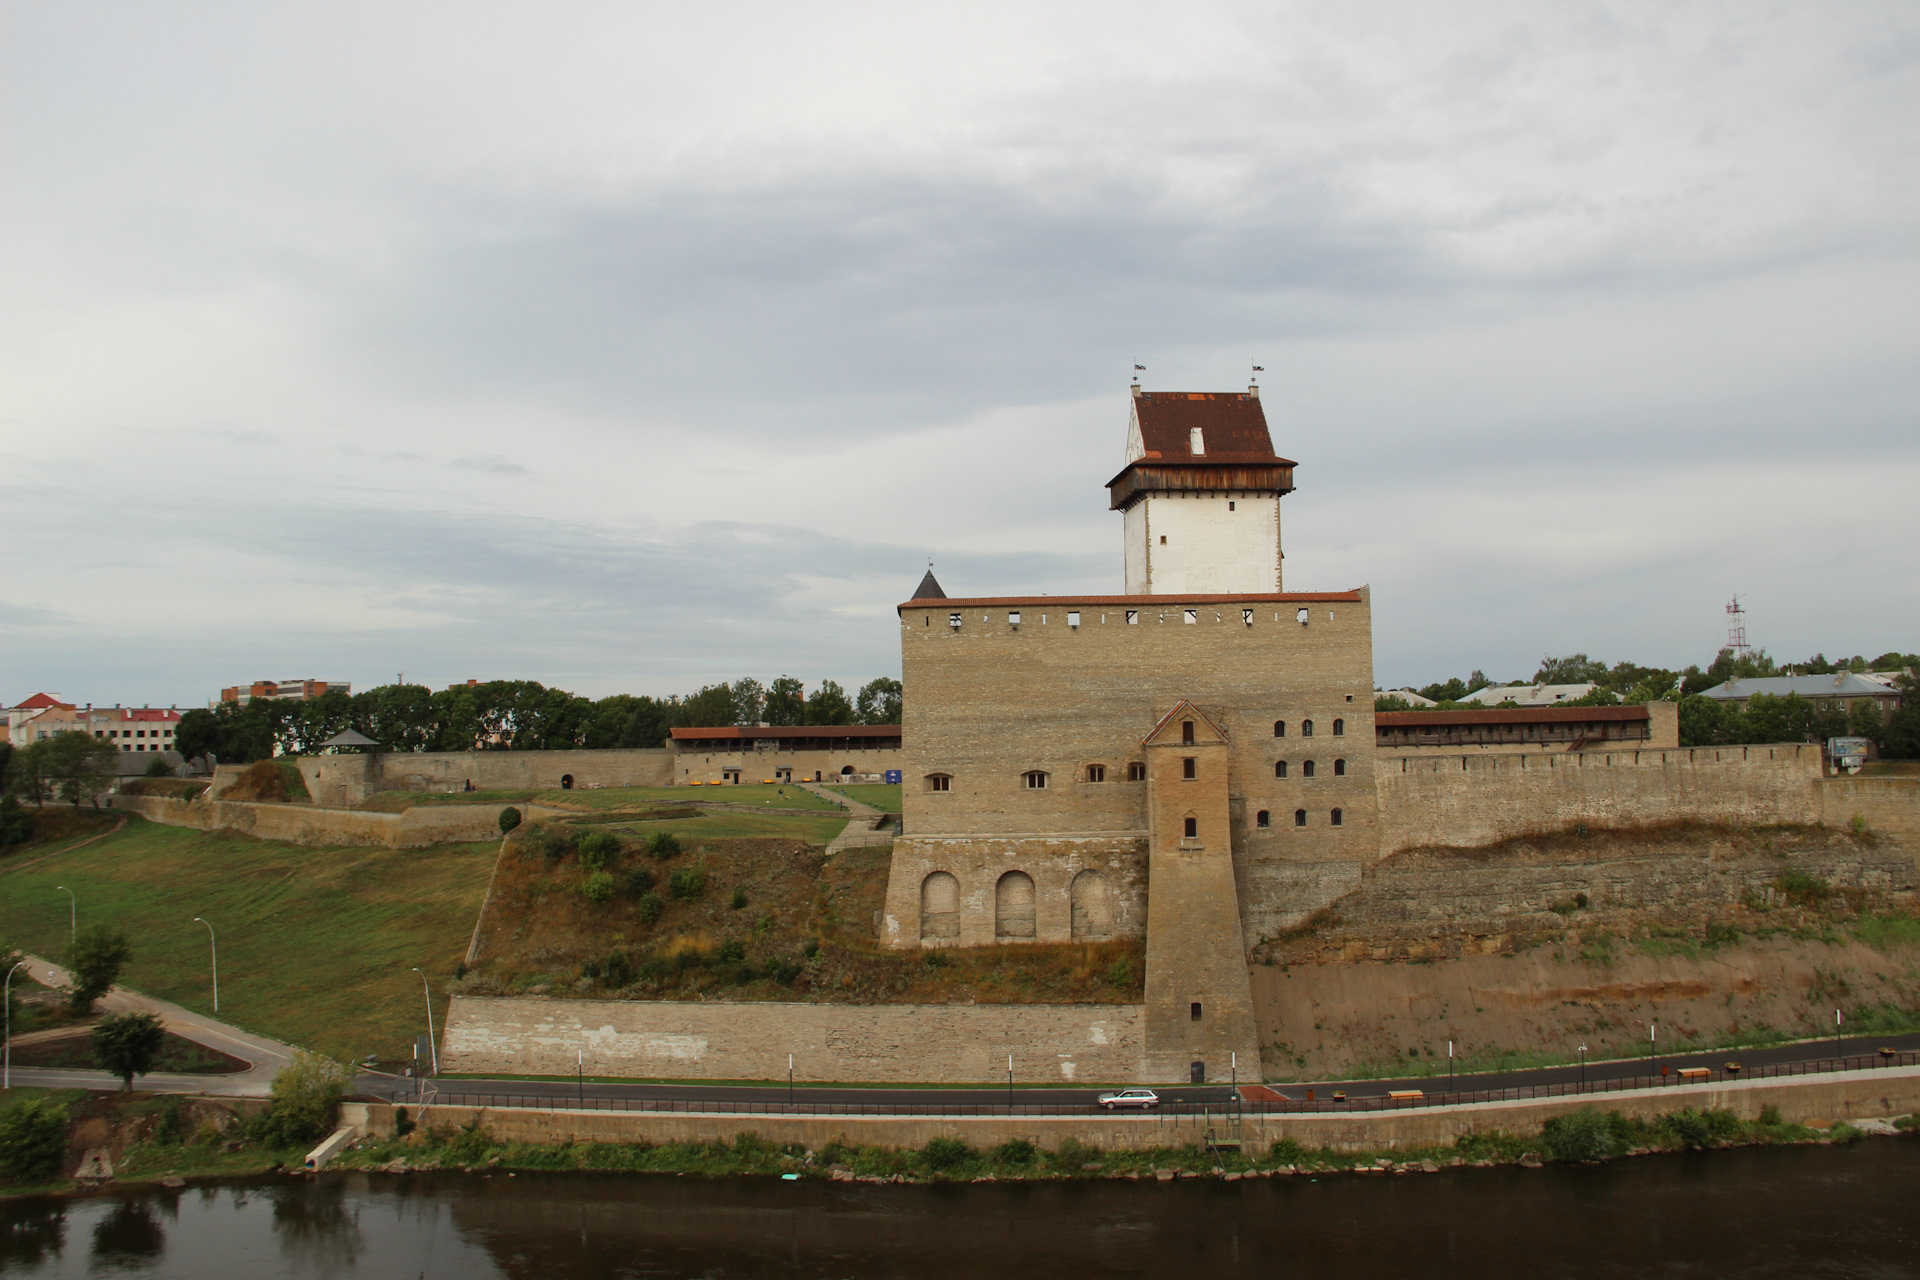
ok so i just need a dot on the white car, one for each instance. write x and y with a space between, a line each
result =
1142 1098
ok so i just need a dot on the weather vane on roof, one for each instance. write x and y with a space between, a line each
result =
1257 371
1137 371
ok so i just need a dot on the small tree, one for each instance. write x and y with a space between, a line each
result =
1864 719
598 887
879 701
29 772
306 1100
128 1045
33 1139
509 819
94 963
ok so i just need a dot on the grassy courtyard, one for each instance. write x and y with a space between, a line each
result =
884 796
605 799
317 945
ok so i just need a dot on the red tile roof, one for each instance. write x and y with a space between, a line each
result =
1231 424
1512 715
735 733
40 701
1168 603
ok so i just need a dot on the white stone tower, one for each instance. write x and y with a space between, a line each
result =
1201 494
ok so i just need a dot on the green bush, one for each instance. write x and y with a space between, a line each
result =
1072 1153
1844 1134
650 906
509 819
739 899
1586 1134
1799 887
598 887
1014 1153
733 951
1690 1128
945 1153
16 824
33 1139
662 844
687 883
158 767
599 849
618 970
306 1101
1120 972
636 882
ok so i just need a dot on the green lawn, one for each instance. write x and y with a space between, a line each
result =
316 945
884 796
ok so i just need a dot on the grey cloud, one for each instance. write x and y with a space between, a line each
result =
493 464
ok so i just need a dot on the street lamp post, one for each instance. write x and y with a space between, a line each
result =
73 914
432 1044
214 944
6 1070
1838 1052
1449 1066
1653 1035
1583 1066
1009 1084
789 1082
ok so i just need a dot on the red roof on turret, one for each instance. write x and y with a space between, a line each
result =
1233 427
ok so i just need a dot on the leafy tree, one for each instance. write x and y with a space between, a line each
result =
786 702
400 717
1764 719
829 705
158 767
80 765
1600 697
33 1139
749 701
306 1100
94 962
1864 719
1477 681
712 707
197 734
1389 702
509 819
128 1045
1703 721
30 772
16 824
879 701
1574 668
1901 736
1445 691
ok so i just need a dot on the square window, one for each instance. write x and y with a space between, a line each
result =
1163 539
1262 819
1336 817
1013 619
1187 767
1137 771
1036 779
1192 616
1073 617
939 782
1096 773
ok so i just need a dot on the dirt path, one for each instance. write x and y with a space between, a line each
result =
78 844
859 832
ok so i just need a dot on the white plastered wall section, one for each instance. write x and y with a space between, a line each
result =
1213 542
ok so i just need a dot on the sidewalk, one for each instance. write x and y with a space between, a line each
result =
267 1056
859 832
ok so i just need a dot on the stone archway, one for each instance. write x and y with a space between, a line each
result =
940 907
1092 906
1013 906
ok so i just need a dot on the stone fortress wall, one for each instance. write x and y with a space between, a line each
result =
345 780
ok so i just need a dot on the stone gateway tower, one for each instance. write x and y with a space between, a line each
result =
1191 761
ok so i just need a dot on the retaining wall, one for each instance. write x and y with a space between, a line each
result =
349 779
910 1044
1822 1100
310 825
1471 800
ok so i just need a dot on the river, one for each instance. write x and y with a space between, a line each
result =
1797 1211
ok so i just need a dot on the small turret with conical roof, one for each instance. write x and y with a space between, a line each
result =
929 589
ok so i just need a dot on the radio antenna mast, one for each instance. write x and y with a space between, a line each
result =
1736 628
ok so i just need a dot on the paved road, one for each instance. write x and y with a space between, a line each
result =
267 1056
1050 1098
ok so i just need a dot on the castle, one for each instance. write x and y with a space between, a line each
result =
1207 734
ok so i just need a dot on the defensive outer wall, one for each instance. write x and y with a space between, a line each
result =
344 780
1848 1095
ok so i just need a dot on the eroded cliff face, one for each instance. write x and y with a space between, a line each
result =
1521 951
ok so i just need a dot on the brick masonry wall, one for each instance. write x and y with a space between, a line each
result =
348 779
952 1044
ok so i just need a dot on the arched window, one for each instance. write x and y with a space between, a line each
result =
1339 768
1306 728
1092 906
1299 817
1280 768
1279 728
846 770
1336 817
1192 831
1013 906
939 782
566 782
940 906
1339 728
1306 768
1036 779
1262 819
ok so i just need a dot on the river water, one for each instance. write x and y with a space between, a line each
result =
1802 1211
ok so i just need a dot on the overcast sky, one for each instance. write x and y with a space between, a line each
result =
631 347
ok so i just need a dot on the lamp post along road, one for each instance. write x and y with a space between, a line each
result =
6 1070
433 1045
213 943
1838 1052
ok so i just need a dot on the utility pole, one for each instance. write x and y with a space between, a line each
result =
214 943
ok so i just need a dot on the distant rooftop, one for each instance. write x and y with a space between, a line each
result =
1844 684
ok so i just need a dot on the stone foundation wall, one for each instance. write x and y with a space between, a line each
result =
1084 888
311 825
907 1044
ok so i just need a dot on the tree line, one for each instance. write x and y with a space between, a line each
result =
1707 722
519 715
